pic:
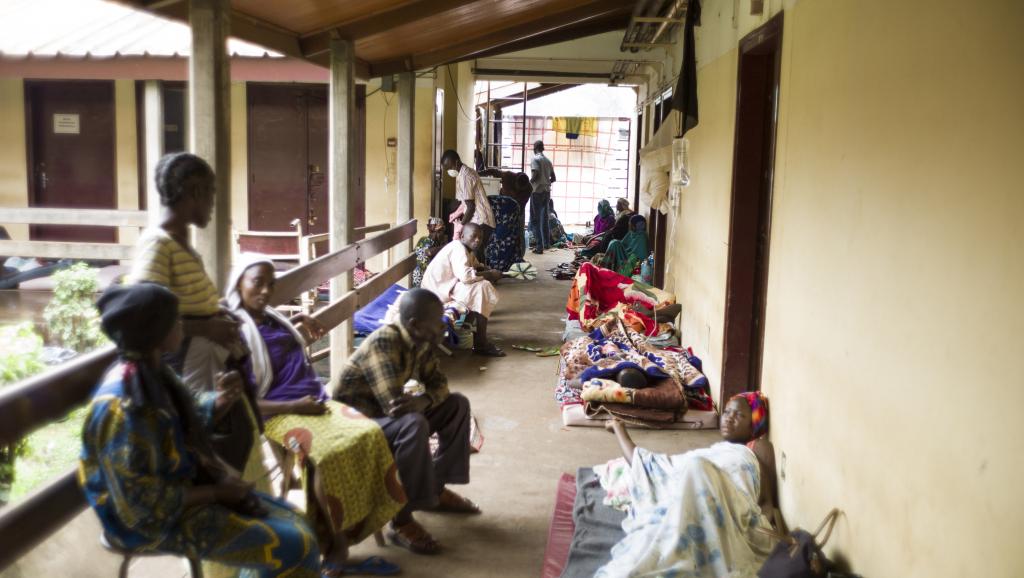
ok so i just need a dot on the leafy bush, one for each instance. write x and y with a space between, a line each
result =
71 316
21 357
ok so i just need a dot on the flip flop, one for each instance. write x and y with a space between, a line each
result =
372 566
331 570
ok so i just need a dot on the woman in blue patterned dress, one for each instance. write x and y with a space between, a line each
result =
503 247
147 466
427 247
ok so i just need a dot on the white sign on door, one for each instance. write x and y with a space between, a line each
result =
66 124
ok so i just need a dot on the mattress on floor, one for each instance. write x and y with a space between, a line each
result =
573 415
561 530
597 528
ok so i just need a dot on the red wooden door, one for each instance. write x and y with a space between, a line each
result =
287 157
71 154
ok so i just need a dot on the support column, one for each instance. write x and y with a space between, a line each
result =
153 111
406 148
209 100
341 159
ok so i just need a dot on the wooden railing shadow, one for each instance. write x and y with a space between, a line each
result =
45 398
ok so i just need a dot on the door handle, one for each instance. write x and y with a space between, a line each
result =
41 176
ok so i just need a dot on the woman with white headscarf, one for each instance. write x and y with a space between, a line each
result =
354 487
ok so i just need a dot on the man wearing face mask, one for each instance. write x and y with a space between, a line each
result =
469 190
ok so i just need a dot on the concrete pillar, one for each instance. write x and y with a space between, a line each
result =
406 148
209 99
153 110
341 159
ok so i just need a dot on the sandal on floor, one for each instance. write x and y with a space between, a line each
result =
331 570
491 350
372 566
453 503
414 538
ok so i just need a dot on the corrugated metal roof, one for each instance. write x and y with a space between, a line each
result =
95 28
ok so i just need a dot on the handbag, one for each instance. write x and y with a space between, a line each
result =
799 555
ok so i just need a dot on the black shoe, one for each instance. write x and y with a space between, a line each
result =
536 252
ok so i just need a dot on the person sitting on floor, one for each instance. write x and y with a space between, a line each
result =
395 378
147 465
625 256
427 248
599 243
354 480
698 513
605 217
456 276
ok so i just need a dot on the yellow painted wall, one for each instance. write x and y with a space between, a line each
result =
127 154
381 168
893 318
13 160
239 158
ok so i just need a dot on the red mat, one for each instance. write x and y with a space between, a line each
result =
556 554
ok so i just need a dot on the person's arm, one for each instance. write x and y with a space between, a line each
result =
553 178
467 216
464 266
765 453
626 444
306 405
435 382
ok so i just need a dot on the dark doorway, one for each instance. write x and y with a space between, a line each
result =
750 223
71 160
287 157
174 96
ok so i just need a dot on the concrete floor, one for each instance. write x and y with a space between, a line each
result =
514 477
526 447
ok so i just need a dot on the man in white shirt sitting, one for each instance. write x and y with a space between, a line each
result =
456 276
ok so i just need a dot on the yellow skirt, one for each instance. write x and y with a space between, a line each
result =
356 468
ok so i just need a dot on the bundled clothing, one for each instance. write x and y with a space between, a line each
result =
590 365
145 445
351 455
453 278
599 295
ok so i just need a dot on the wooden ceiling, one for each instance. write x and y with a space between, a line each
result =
404 35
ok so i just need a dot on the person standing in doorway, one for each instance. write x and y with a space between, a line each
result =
543 175
469 190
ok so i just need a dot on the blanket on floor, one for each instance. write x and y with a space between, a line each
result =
599 295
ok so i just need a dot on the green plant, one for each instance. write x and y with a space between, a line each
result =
71 317
21 357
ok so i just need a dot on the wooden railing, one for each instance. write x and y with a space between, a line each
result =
40 400
76 217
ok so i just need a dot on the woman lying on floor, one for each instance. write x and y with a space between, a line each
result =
698 513
148 467
354 485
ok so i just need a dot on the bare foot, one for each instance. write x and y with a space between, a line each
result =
335 556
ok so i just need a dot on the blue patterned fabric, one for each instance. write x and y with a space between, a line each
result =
135 472
503 248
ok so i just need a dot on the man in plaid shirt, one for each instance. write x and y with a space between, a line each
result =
373 382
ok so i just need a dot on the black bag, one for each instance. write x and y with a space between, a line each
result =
799 554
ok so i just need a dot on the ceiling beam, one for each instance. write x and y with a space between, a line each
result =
575 32
319 42
550 24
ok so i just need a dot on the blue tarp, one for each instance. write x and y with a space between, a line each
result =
369 318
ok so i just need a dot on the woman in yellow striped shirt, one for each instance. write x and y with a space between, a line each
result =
213 346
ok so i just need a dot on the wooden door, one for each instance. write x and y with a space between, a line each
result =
287 157
750 224
71 156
